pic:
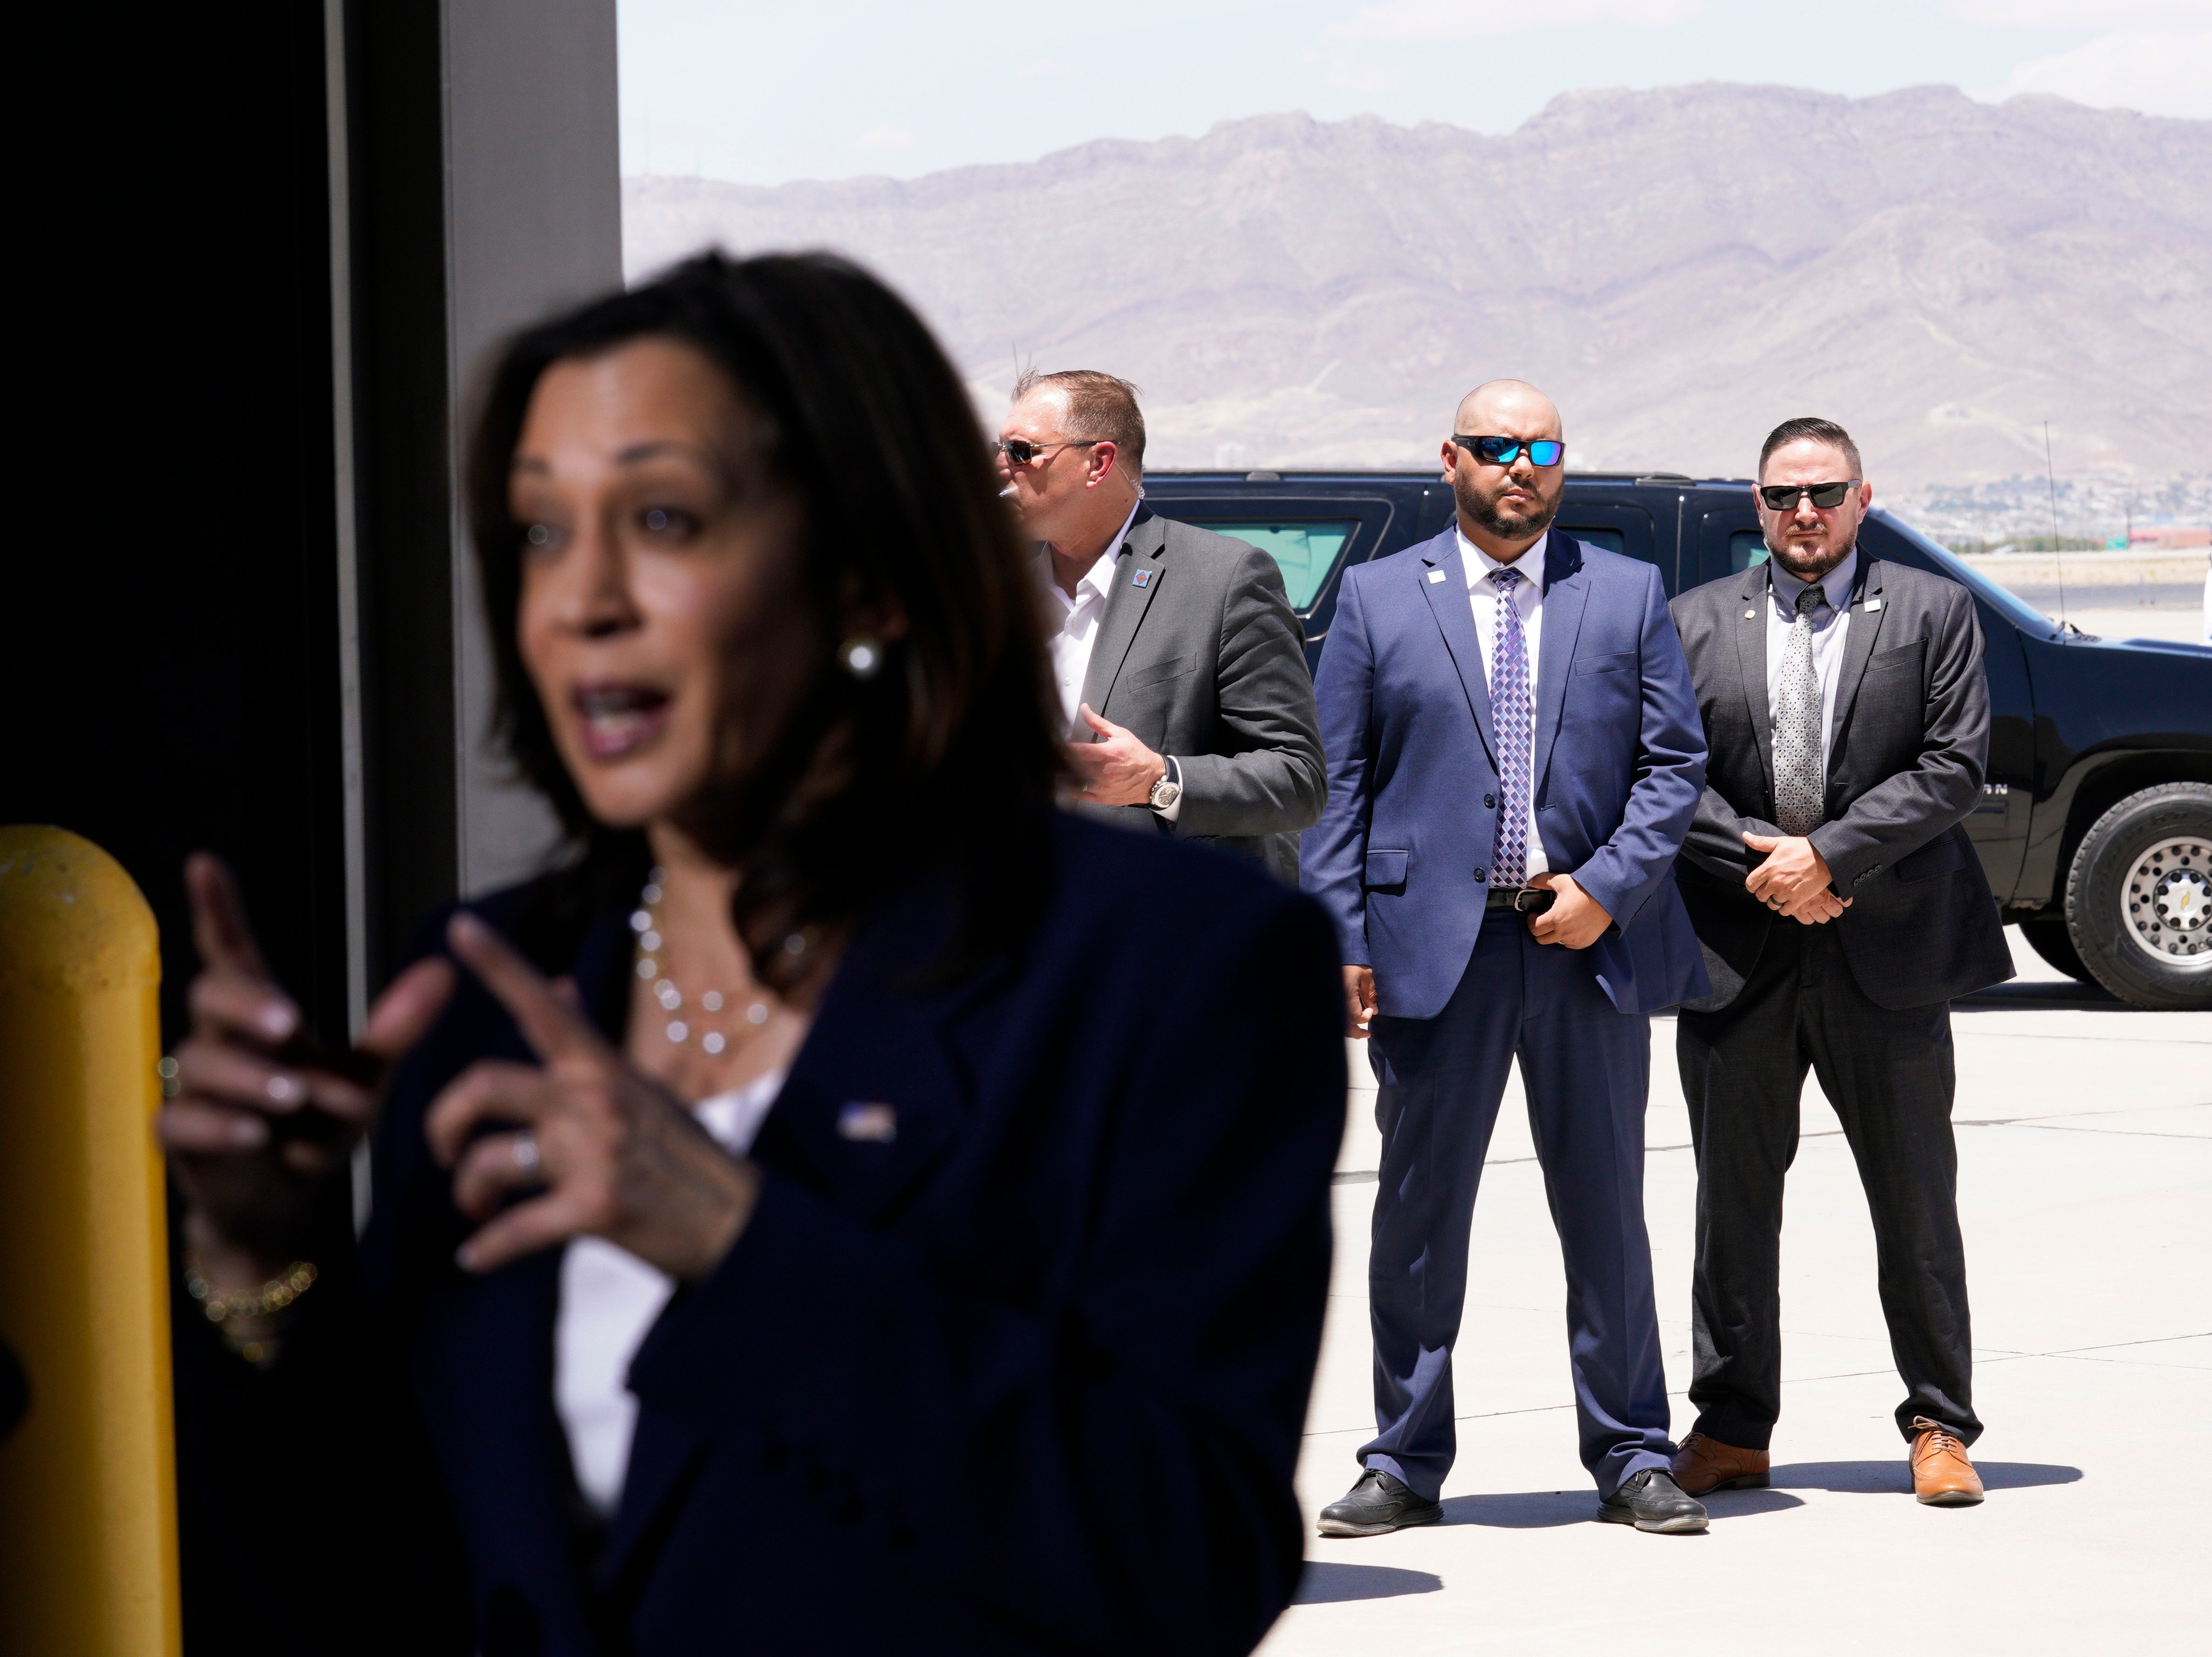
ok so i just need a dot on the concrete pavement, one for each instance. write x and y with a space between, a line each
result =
2184 624
2085 1135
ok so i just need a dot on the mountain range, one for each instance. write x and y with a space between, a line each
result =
1680 269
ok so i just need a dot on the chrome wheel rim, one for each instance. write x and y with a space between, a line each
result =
2165 902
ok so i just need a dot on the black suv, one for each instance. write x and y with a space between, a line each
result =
2095 824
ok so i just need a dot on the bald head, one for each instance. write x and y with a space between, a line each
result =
1507 408
1505 504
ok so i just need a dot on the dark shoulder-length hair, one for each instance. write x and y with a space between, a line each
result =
949 747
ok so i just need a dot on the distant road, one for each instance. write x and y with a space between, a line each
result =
2079 595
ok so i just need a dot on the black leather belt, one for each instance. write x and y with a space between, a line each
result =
1522 900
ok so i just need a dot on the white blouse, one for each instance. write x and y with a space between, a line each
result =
608 1300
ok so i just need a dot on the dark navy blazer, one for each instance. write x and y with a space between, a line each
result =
1029 1376
1401 855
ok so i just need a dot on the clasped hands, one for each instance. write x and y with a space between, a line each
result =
1114 768
1795 880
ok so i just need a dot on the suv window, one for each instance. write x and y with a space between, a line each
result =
1616 526
1746 548
2018 611
1306 549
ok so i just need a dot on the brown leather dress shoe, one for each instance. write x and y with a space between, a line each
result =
1942 1475
1706 1464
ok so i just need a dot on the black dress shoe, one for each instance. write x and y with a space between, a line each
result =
1652 1501
1378 1504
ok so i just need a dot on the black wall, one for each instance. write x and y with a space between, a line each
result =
167 612
169 605
171 671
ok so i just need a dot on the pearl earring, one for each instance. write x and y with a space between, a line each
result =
862 657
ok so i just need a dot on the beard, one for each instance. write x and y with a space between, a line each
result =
1813 571
1506 525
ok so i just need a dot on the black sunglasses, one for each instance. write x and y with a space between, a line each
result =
1019 450
1782 497
1501 450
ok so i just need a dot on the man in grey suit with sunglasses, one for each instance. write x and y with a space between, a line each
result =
1841 908
1180 667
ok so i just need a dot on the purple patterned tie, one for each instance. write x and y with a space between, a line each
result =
1515 718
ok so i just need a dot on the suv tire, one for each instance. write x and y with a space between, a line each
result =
2047 936
2139 897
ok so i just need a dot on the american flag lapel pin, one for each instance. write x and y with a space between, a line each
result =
1143 578
868 1122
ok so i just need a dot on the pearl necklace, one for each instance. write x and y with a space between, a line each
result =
646 923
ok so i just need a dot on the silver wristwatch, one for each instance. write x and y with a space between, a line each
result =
1168 790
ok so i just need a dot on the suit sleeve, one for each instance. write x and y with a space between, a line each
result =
1265 775
1108 1470
1715 842
1670 773
1333 854
1905 811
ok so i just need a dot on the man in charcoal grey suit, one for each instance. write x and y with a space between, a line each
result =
1181 668
1841 908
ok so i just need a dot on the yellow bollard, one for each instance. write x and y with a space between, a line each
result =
88 1481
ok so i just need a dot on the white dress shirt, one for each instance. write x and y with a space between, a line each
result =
1829 627
1528 599
608 1300
1072 624
1071 632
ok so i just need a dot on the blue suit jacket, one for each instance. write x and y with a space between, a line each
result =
1030 1376
1401 855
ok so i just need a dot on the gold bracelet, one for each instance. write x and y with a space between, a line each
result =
221 1306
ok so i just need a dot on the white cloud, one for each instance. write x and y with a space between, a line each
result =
2139 15
885 138
2166 74
1461 20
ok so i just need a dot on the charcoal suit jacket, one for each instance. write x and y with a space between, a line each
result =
1905 754
1027 1376
1401 856
1199 654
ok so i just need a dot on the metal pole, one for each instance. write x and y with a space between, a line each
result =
88 1481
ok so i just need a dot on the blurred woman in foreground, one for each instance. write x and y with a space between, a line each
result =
851 1207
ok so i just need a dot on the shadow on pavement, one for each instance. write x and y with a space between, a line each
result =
1522 1510
2045 997
1328 1581
1891 1478
1533 1510
1742 1504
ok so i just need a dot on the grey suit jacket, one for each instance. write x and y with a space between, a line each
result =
1905 757
1200 655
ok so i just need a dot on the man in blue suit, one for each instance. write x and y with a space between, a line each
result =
1515 754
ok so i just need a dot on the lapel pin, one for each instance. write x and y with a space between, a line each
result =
1751 616
1871 603
1143 578
1435 575
870 1123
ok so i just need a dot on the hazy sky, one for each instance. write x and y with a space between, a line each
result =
762 93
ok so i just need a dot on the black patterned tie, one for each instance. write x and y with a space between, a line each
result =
1800 788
